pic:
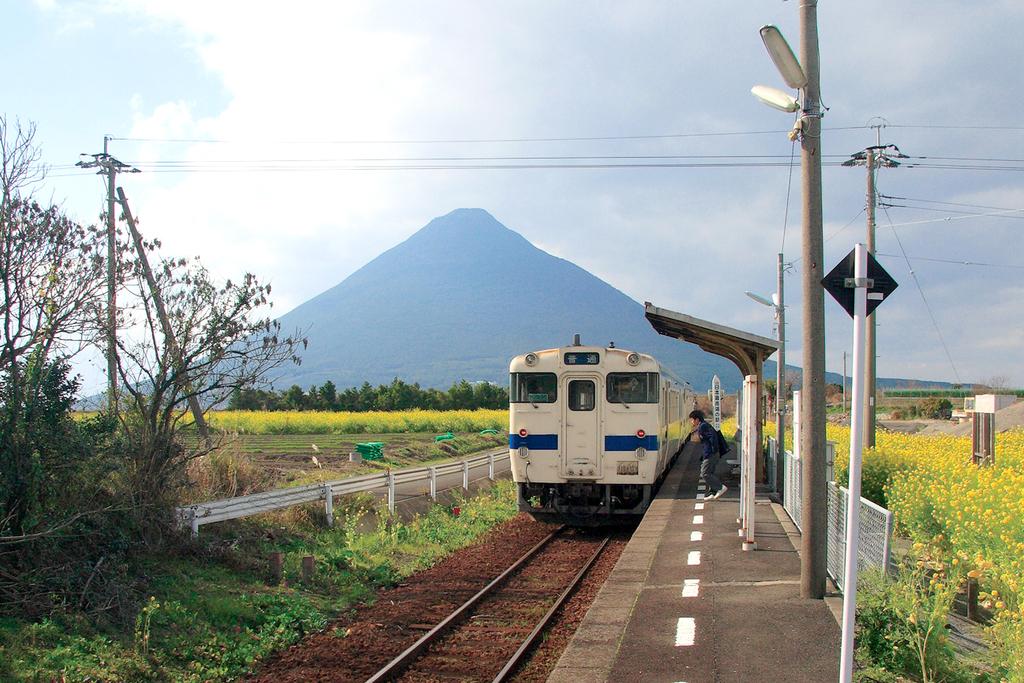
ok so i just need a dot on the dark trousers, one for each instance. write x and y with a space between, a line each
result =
707 472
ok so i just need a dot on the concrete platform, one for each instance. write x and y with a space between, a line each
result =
686 604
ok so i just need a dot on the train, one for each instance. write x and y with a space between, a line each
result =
592 431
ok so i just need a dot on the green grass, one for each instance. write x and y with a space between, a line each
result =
211 617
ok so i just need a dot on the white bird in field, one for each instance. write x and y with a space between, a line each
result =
317 462
316 449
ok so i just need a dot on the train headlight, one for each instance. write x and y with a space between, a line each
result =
524 452
633 358
641 453
531 359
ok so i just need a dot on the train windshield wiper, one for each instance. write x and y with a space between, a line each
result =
623 402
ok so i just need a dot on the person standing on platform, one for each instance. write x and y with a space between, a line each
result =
711 455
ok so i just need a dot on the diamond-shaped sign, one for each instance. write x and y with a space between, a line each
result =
839 283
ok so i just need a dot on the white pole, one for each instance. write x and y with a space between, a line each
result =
741 399
795 485
391 492
329 504
856 448
749 473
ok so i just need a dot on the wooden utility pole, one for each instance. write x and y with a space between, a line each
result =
165 323
814 512
109 166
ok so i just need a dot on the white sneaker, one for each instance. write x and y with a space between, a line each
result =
720 492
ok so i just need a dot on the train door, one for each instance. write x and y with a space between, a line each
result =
582 452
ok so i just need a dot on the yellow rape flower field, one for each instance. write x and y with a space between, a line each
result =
376 422
968 518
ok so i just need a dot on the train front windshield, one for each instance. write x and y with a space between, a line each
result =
632 387
533 387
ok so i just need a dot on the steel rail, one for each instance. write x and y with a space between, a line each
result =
397 665
516 659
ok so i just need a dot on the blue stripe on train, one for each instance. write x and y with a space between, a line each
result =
535 442
631 442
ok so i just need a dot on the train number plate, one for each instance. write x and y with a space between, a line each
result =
628 468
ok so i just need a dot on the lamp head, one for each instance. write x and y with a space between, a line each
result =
759 299
782 54
775 98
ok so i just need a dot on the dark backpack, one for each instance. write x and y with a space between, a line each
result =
723 445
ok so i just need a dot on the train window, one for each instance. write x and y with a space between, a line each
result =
632 387
581 394
533 387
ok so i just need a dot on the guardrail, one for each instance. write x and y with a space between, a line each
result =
257 503
876 523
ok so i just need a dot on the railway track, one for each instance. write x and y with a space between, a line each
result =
490 635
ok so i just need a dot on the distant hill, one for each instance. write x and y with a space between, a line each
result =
460 298
880 382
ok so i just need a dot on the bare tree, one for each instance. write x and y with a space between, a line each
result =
51 268
217 343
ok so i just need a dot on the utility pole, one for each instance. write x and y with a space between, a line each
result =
161 312
780 376
872 158
812 434
109 166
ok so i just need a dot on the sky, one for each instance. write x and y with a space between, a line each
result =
300 142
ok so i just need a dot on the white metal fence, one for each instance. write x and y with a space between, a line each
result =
874 535
876 523
244 506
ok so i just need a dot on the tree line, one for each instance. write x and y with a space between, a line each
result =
398 395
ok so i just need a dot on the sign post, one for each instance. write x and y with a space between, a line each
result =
859 284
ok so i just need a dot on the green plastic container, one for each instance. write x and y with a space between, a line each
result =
371 450
447 436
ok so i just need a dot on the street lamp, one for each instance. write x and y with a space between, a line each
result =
803 75
777 304
782 54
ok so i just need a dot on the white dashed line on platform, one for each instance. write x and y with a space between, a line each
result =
698 506
696 536
698 519
693 557
691 587
686 631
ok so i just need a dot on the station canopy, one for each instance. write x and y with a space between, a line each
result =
748 351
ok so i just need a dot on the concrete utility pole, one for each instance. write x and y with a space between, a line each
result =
161 312
780 376
872 158
109 166
814 517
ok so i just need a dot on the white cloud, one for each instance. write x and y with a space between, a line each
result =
689 238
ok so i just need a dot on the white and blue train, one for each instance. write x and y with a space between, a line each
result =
592 431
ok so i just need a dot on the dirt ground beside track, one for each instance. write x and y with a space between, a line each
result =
357 645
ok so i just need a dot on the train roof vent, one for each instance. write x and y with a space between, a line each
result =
576 340
611 345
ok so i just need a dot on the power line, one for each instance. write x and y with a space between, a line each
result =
789 189
433 141
959 262
935 201
931 314
948 127
890 205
